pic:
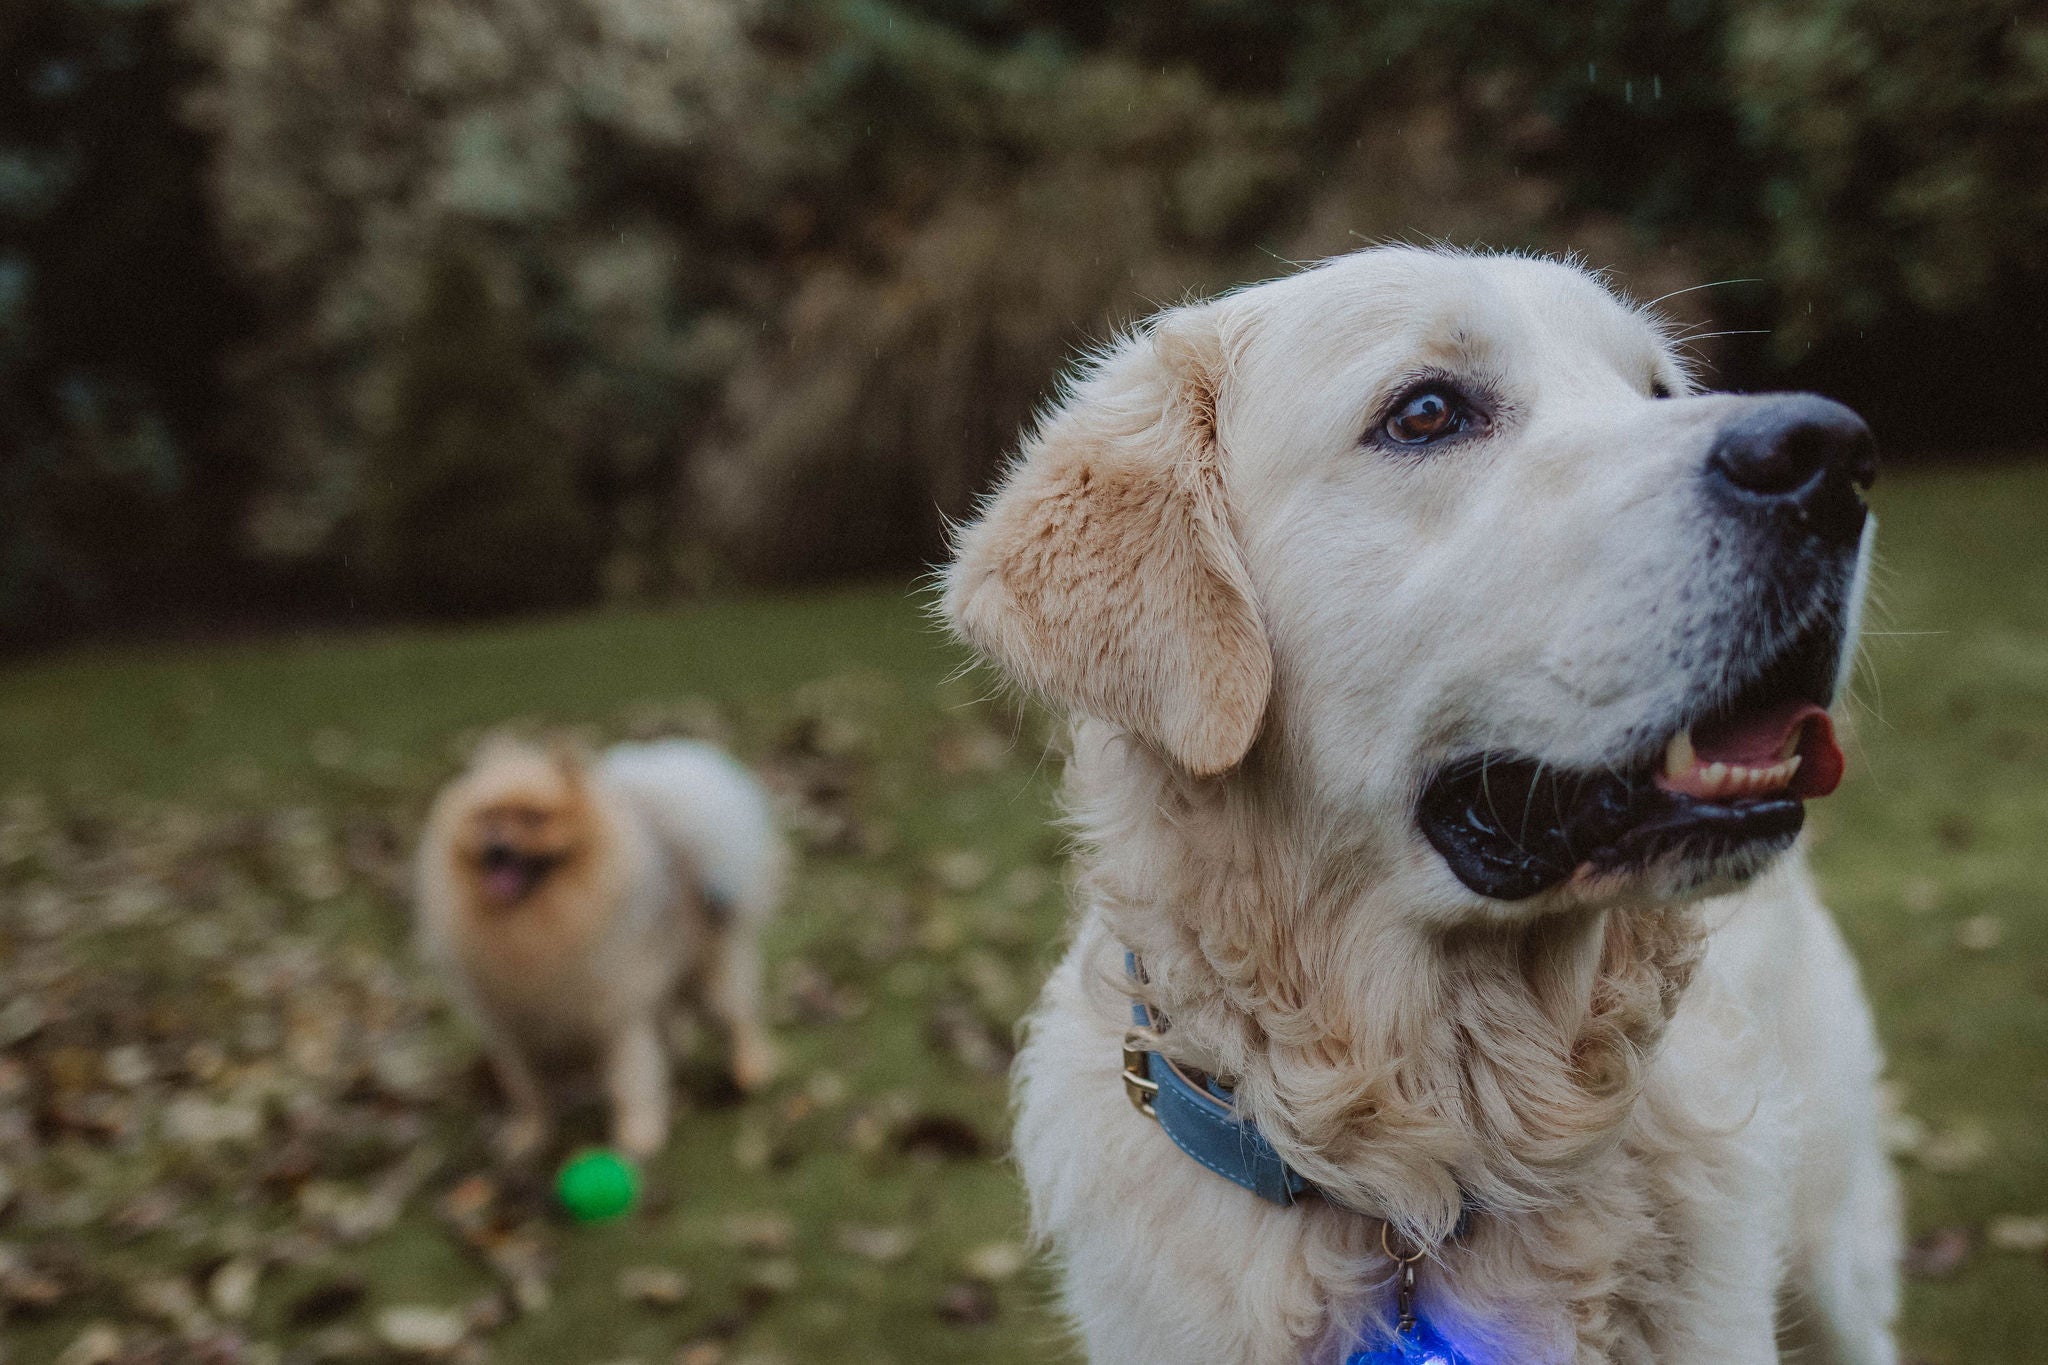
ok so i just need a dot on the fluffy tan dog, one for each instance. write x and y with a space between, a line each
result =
1448 679
571 903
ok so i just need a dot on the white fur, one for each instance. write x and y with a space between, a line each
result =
701 800
1665 1106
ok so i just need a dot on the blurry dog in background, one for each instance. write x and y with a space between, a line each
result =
573 902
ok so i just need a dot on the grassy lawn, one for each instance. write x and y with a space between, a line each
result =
232 1112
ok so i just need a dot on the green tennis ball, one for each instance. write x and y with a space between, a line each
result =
596 1184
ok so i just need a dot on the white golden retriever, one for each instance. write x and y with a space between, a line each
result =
1447 677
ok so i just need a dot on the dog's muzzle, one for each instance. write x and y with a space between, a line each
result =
1724 786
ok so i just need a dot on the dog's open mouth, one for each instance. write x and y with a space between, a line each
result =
509 876
1731 781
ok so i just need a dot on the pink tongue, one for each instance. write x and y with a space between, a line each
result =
507 884
1755 741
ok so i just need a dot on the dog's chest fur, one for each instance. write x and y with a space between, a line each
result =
1582 1082
1606 1269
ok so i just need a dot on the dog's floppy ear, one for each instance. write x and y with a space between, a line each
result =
1103 573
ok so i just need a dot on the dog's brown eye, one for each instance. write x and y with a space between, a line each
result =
1427 415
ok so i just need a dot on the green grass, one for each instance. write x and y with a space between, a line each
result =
851 682
1944 821
145 764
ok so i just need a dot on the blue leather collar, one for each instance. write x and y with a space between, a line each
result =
1200 1116
1201 1119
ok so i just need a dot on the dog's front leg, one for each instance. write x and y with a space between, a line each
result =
636 1081
526 1129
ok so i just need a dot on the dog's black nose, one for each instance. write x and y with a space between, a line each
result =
1802 457
499 855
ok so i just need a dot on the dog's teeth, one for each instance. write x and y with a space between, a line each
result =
1678 755
1745 780
1682 762
1791 747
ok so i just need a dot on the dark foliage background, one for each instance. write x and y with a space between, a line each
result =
757 290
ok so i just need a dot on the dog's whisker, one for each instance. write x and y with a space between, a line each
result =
1695 288
1690 337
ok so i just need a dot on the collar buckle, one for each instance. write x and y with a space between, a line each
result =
1139 1087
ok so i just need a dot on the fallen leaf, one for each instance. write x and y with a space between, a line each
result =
99 1344
760 1232
171 1300
884 1246
20 1019
654 1285
127 1066
1980 933
27 1286
775 1276
967 751
147 1212
487 1312
470 1203
191 1120
1957 1148
995 1262
2014 1232
231 1290
959 870
967 1303
1940 1253
956 1028
415 1329
1903 1134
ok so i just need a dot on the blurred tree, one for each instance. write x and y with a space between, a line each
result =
1904 221
120 495
470 501
1908 140
783 277
1864 166
611 155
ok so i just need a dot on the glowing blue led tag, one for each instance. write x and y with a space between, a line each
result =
1420 1347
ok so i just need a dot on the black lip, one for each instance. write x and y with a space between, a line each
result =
1510 826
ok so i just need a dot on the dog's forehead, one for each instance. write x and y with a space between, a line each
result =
1424 307
514 780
